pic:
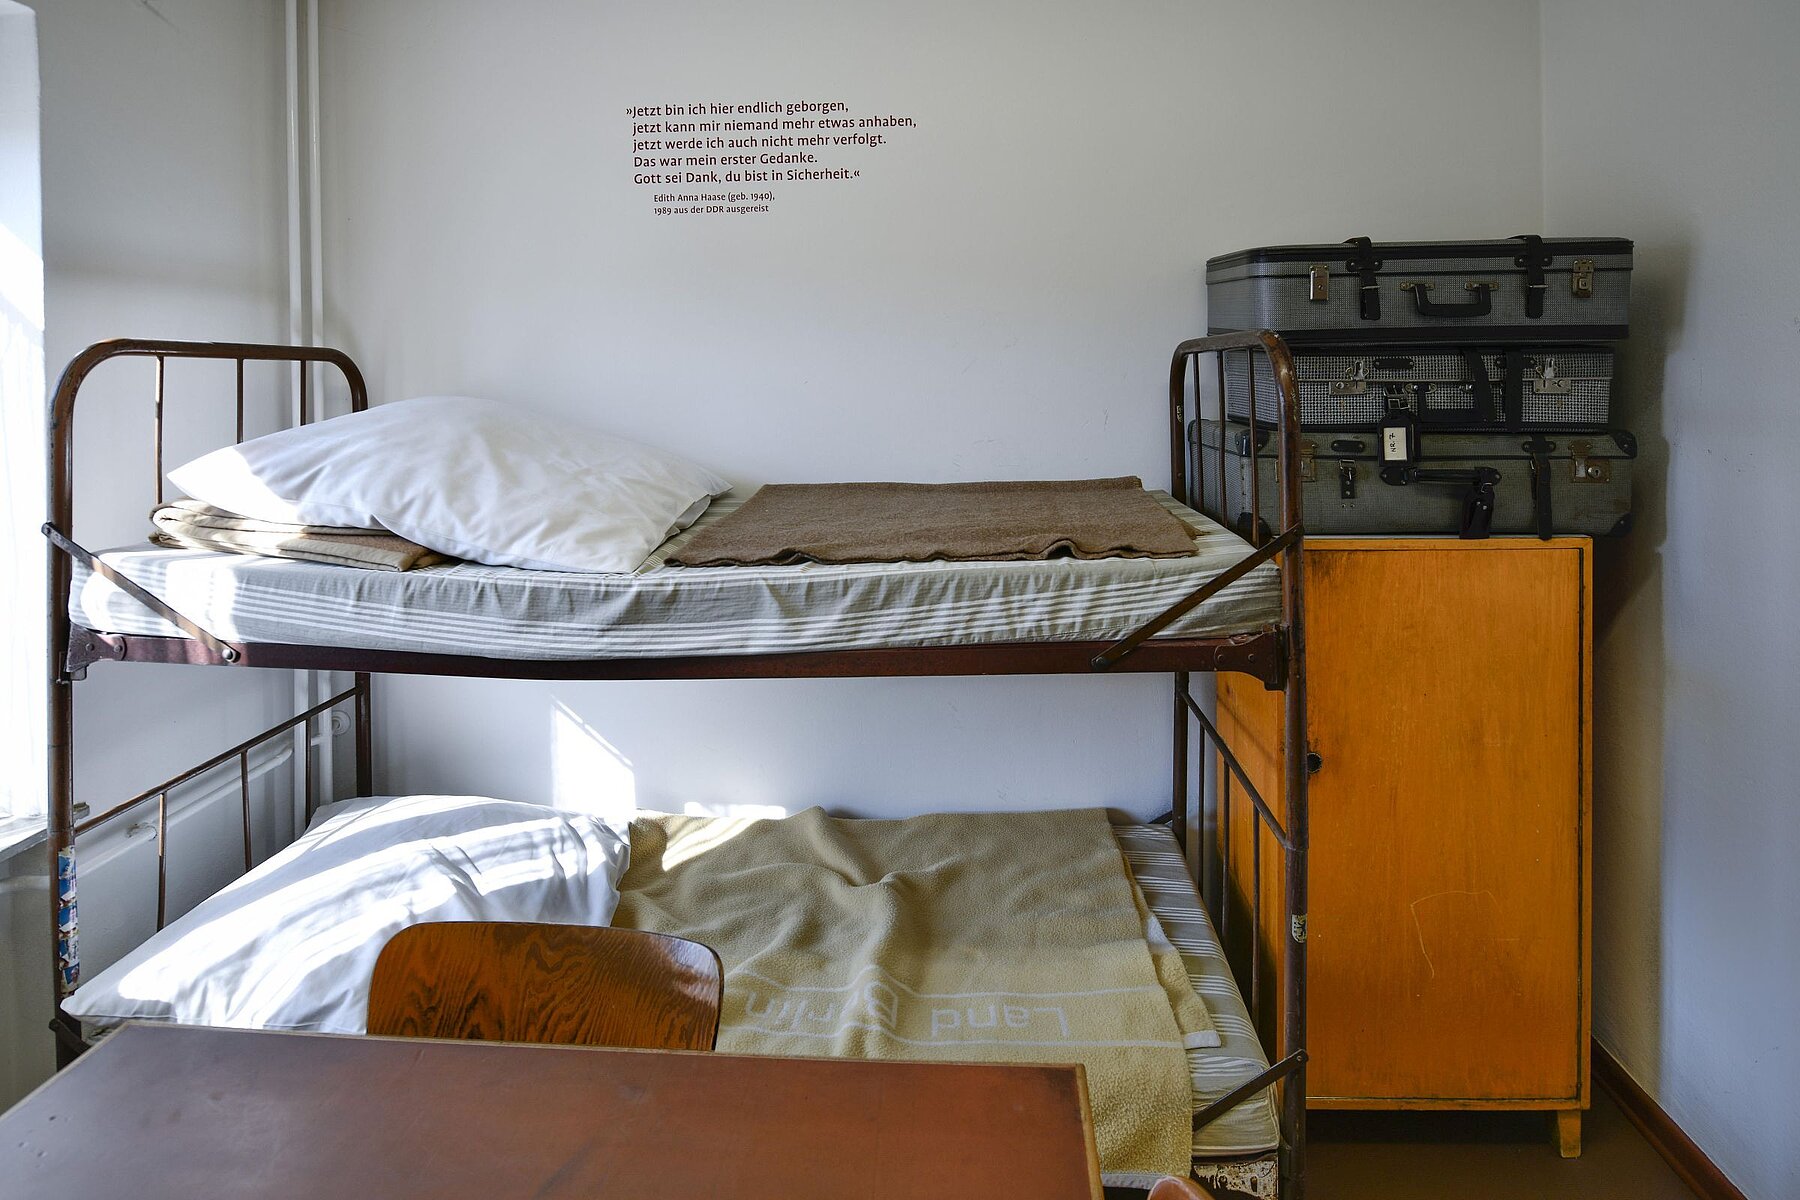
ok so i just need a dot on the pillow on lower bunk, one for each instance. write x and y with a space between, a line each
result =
487 482
292 944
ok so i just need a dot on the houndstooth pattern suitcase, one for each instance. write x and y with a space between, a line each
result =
1524 290
1471 484
1445 387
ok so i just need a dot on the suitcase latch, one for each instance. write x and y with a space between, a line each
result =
1581 278
1346 480
1546 382
1355 381
1318 285
1309 462
1583 468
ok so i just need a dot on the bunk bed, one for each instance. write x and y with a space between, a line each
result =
1234 606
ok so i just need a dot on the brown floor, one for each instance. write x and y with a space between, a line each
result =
1482 1156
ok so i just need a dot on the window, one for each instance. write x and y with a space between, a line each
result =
22 406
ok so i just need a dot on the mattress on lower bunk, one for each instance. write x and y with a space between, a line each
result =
1251 1127
661 611
375 843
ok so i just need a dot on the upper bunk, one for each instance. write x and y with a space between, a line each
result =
1229 606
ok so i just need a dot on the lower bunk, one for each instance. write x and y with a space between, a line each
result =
1048 937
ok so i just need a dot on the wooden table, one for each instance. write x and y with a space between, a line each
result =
166 1111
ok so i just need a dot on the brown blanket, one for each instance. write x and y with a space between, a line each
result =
917 522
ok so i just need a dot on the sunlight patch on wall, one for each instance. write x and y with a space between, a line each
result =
588 774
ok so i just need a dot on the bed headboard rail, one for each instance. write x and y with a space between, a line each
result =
62 403
62 552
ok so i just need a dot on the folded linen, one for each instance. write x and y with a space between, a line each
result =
787 523
191 525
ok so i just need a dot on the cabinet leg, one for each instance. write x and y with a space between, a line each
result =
1568 1132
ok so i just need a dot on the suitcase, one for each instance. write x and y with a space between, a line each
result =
1344 387
1525 289
1470 484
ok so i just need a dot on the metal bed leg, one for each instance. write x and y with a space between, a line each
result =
65 945
1294 784
365 739
1178 798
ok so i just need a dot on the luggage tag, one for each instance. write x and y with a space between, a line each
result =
1399 441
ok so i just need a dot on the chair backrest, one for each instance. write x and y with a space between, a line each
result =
505 981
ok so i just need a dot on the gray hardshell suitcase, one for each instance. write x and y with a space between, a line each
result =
1462 387
1525 289
1470 484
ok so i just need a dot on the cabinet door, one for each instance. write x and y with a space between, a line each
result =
1447 696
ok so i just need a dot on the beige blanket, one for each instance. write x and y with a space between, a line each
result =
787 523
978 937
192 525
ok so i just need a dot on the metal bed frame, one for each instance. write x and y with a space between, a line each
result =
1274 654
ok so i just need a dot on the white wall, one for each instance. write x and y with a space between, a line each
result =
996 298
163 194
1674 124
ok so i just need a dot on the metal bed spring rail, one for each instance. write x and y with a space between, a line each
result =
1289 830
63 550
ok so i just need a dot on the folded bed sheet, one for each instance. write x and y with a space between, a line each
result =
663 611
1250 1128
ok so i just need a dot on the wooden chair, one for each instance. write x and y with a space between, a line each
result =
566 984
1171 1188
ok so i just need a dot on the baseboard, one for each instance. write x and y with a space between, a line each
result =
1660 1130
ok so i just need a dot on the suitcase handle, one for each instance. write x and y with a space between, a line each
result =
1478 501
1479 305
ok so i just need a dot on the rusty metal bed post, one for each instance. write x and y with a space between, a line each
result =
1294 756
365 737
59 529
1290 830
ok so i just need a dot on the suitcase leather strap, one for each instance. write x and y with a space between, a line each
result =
1534 260
1484 385
1539 450
1363 264
1512 388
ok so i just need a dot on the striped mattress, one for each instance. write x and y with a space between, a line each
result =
1250 1128
663 611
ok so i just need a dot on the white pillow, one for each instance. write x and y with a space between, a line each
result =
483 481
292 944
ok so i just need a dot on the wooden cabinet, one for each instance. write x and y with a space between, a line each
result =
1449 702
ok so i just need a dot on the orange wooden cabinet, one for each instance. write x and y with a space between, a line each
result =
1449 702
